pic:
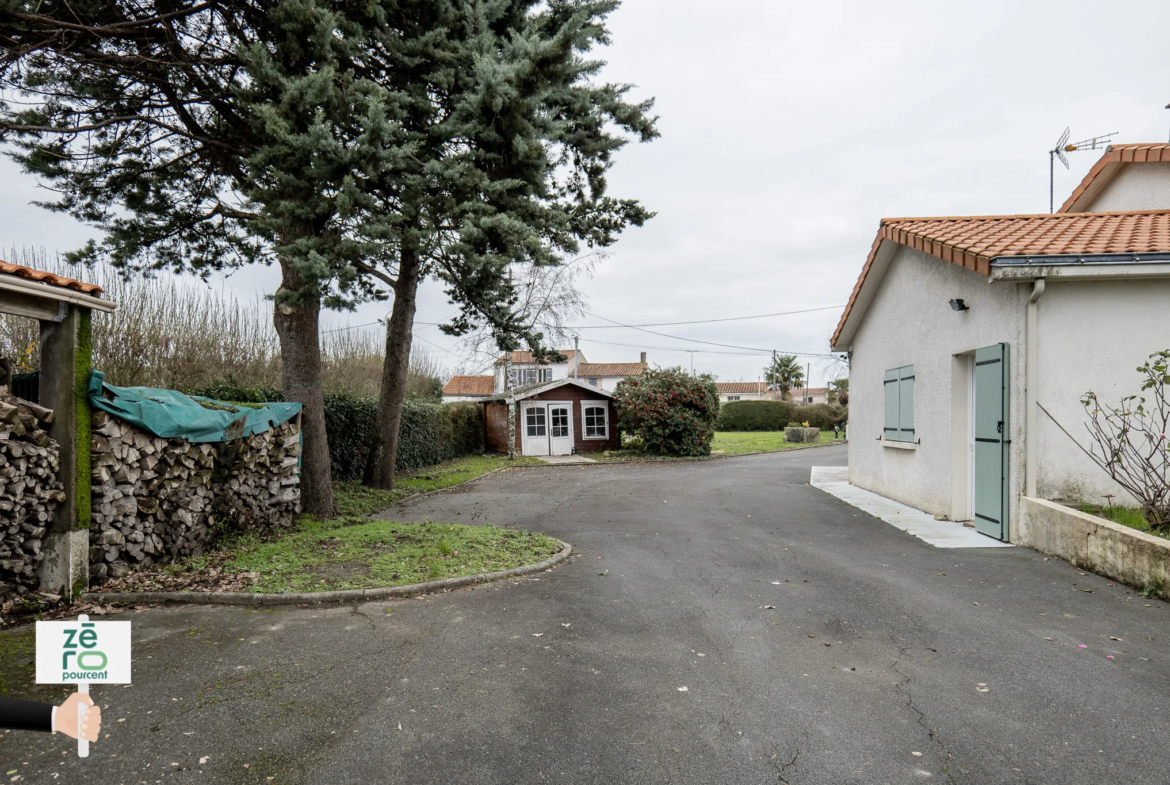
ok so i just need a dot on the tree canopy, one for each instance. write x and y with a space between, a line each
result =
784 373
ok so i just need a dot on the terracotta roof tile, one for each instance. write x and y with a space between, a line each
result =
470 385
973 241
526 357
49 278
741 387
610 369
1106 167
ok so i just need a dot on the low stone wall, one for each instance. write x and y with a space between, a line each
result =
1127 555
158 499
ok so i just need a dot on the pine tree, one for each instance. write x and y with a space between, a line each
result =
510 136
206 136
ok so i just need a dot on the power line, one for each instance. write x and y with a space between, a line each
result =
698 321
708 343
669 348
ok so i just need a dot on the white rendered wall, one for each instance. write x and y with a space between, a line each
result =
911 322
1091 336
1143 186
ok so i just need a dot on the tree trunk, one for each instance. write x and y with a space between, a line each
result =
300 353
395 370
511 388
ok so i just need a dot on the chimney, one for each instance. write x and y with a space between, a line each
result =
643 358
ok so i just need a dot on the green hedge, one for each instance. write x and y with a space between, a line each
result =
430 433
775 415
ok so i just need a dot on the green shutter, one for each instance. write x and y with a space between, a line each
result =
891 432
906 403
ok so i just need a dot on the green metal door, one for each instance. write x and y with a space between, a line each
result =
991 441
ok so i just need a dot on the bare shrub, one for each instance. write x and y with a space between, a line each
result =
179 334
1129 441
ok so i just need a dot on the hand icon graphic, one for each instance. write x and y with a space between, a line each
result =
65 719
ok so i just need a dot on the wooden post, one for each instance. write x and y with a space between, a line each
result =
66 362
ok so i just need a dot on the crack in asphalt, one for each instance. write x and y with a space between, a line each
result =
782 773
902 688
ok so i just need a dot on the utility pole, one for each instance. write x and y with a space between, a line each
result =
807 379
772 371
692 352
576 354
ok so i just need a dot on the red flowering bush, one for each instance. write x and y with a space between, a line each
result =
670 410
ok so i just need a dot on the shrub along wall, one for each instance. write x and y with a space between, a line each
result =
775 415
430 432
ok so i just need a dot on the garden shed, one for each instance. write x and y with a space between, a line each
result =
63 306
554 418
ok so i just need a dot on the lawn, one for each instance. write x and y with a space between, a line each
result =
353 498
348 554
353 552
738 442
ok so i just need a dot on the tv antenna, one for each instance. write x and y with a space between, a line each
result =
1062 147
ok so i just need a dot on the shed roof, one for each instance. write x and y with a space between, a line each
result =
469 385
52 279
536 389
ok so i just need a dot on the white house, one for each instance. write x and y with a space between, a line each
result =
742 391
972 340
605 376
526 371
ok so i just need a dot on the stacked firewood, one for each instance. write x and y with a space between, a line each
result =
156 499
29 490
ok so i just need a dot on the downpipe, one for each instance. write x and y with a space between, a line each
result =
1031 373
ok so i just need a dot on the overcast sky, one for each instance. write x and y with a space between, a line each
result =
788 131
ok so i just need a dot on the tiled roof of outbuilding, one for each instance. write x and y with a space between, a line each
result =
470 385
51 279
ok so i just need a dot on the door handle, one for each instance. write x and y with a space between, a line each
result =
999 427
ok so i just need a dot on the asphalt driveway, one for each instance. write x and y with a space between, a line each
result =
654 656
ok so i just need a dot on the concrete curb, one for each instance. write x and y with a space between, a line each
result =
345 595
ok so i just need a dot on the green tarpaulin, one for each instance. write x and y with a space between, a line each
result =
171 414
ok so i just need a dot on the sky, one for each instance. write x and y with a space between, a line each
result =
788 131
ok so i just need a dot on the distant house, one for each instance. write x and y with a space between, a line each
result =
526 372
559 417
809 395
742 391
467 388
972 339
605 376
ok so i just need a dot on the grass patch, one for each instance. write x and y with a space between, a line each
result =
725 442
738 442
349 553
354 499
1132 517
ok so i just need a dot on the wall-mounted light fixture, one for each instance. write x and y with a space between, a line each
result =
958 305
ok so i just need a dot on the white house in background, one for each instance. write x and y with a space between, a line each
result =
963 332
742 391
526 371
460 389
809 395
605 376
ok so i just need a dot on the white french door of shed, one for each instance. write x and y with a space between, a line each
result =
548 428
